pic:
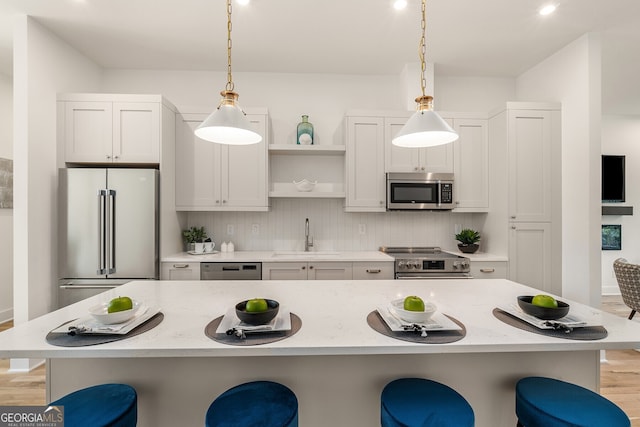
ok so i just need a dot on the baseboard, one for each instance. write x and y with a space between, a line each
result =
610 290
6 315
24 365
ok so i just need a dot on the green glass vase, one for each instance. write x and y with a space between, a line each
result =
305 132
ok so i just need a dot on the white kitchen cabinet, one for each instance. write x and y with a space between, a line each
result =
180 271
530 255
373 270
122 130
366 185
489 269
213 177
323 164
401 159
471 165
317 270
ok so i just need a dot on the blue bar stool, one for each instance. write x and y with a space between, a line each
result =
254 404
105 405
416 402
547 402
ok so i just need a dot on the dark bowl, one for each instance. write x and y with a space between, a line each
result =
544 313
259 318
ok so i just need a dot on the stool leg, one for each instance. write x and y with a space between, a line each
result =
633 312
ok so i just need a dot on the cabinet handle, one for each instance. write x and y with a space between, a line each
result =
304 268
513 227
116 157
382 202
108 157
422 168
224 201
415 169
513 217
180 265
217 202
373 270
487 270
311 267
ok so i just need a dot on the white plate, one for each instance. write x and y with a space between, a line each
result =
437 322
100 313
89 325
282 322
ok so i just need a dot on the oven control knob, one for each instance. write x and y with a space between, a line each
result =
416 264
401 265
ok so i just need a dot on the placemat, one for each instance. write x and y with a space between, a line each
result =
83 340
587 333
251 338
433 336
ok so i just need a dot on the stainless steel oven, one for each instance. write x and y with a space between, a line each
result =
420 191
428 263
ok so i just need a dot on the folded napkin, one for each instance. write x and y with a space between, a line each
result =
89 325
437 321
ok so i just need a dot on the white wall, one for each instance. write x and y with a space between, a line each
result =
621 135
572 77
6 215
44 65
326 99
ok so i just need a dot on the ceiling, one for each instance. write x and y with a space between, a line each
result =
500 38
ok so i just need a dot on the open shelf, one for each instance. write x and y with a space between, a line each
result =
306 149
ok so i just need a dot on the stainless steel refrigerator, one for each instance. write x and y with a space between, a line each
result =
108 229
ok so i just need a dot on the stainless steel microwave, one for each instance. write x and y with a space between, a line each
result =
420 191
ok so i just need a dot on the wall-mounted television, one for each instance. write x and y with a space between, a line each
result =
612 179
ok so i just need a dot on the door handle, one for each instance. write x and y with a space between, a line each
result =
487 270
102 212
373 270
111 227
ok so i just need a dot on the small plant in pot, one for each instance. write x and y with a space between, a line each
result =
194 237
468 239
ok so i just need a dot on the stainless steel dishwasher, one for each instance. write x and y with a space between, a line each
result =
230 271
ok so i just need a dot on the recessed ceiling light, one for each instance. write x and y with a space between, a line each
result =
548 9
399 4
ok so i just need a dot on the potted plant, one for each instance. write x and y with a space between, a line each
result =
194 237
468 239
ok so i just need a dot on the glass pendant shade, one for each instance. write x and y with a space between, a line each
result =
425 128
228 125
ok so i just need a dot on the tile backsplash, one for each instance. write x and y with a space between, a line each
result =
282 228
6 183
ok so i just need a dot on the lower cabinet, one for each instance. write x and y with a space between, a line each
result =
489 269
307 270
373 270
530 255
180 271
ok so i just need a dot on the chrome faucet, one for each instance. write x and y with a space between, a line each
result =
308 240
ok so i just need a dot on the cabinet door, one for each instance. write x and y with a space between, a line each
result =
330 271
437 159
373 270
198 164
88 132
244 178
471 165
365 164
180 271
284 271
530 255
530 138
398 159
136 132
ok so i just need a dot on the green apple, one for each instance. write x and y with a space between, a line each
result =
119 304
256 305
413 303
544 301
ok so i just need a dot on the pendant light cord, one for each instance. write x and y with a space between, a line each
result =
422 49
230 85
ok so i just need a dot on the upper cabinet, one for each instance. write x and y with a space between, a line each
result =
471 164
214 177
102 128
401 159
365 164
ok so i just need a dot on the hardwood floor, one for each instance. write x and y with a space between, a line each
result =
619 375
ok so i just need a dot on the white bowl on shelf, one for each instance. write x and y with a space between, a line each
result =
305 185
99 312
413 316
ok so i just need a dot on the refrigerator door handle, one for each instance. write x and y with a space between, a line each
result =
102 212
111 232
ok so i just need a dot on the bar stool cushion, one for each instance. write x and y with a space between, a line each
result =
547 402
254 404
417 402
105 405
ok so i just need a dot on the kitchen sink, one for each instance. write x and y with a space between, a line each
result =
306 255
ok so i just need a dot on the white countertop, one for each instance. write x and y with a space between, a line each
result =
333 317
281 256
485 256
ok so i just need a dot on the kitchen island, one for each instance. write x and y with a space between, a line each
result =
336 363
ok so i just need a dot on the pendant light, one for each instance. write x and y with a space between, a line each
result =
425 128
228 124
